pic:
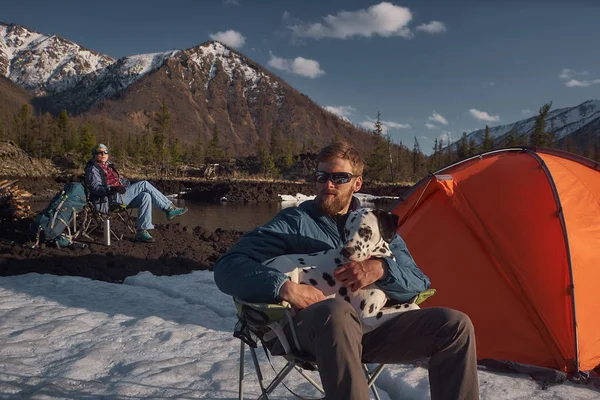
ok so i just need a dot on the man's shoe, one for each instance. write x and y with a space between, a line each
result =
143 236
173 211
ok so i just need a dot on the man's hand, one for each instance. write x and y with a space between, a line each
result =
118 189
300 296
357 275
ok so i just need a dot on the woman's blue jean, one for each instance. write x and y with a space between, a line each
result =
142 195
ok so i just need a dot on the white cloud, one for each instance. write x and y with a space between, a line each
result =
231 2
230 38
424 137
299 66
438 118
434 27
569 75
341 111
286 15
396 125
429 125
526 111
385 125
383 19
584 83
483 116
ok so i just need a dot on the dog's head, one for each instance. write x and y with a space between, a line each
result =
368 233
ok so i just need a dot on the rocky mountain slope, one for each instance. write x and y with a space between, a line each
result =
580 122
205 87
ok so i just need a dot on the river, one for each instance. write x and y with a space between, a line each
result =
236 216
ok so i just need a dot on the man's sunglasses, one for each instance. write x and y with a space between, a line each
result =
102 152
336 177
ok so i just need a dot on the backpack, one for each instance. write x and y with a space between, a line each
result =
50 223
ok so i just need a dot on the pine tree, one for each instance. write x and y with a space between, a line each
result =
87 139
288 159
462 150
511 139
267 164
473 148
488 140
417 159
539 136
378 161
214 151
198 150
378 130
434 159
276 146
441 157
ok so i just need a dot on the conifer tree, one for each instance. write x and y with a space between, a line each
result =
473 148
87 139
417 159
198 149
214 151
441 157
462 150
539 136
434 159
276 146
511 139
488 140
378 161
288 159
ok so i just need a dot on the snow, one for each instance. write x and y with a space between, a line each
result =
47 63
230 62
162 337
364 198
562 122
132 68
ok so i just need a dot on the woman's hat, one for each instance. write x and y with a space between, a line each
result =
99 147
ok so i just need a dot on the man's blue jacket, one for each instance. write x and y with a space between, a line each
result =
302 230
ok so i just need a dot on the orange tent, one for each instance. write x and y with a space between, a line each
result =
512 238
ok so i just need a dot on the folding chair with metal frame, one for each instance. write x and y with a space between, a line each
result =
264 322
94 219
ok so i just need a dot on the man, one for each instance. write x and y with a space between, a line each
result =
106 186
329 329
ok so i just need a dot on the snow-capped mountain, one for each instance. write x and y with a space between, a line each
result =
208 87
561 122
45 64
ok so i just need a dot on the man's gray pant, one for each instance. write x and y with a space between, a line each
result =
331 332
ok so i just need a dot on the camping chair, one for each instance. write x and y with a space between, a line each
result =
93 219
264 322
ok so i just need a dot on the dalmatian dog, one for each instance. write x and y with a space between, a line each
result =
368 233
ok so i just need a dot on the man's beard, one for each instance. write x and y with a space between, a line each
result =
333 205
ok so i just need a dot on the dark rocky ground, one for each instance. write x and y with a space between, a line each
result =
177 250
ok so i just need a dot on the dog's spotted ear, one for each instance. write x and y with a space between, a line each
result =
388 224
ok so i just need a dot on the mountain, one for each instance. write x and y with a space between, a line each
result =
45 64
579 124
12 96
206 87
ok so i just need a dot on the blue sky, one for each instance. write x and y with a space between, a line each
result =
433 68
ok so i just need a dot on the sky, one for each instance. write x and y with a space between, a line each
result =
432 68
164 337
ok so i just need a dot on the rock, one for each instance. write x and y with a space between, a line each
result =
14 162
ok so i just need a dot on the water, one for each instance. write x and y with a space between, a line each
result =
236 216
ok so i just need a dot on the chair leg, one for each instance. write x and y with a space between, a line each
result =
372 377
277 380
259 376
310 380
241 384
